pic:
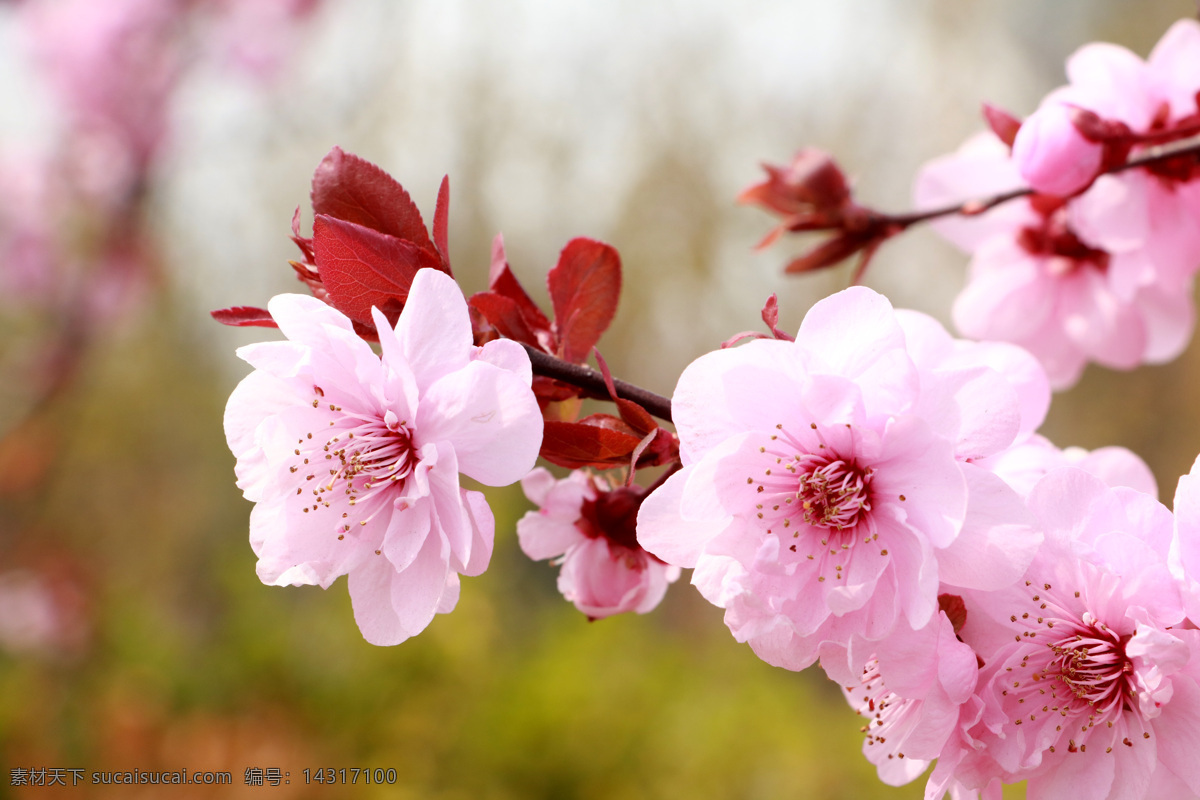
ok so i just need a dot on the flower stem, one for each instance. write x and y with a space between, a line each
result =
592 382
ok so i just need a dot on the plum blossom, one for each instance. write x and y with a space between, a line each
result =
826 487
589 527
909 689
1052 155
1044 275
1090 687
1025 463
353 459
1106 275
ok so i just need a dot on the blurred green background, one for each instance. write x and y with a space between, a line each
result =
629 122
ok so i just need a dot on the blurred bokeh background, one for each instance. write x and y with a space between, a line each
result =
154 181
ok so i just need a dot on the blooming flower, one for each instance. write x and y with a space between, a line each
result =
1091 685
353 459
825 487
590 529
1042 277
909 691
1107 275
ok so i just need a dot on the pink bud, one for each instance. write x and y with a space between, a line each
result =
1051 153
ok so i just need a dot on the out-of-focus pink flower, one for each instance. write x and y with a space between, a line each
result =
353 459
113 64
28 252
589 528
256 35
909 689
1052 155
826 486
1090 687
1039 278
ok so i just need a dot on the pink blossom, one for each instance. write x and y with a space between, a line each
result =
113 64
1090 685
1185 548
589 528
909 688
256 35
1041 279
353 459
1052 155
826 486
1027 462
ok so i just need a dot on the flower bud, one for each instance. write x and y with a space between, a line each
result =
1051 153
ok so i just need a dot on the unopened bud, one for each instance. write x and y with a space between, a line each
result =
1053 155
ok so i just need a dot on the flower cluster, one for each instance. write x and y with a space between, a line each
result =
1097 264
871 494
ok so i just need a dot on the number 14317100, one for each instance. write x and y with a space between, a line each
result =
350 775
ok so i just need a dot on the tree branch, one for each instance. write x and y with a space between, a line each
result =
592 381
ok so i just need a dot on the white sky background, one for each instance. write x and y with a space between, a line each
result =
632 122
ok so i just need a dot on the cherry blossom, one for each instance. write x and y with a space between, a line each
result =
826 486
909 689
1052 155
1090 684
1041 278
589 527
353 459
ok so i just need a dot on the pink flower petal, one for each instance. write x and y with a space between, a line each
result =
489 416
434 328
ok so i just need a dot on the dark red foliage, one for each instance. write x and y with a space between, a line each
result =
369 239
1002 123
812 194
360 268
584 287
244 316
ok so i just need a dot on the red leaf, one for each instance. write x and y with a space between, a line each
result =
302 242
829 252
579 444
584 288
502 281
244 316
1002 123
441 223
504 316
360 268
355 190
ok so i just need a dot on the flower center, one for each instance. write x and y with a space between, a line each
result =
815 497
366 458
1073 673
832 492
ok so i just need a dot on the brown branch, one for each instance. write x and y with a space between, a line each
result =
592 381
975 207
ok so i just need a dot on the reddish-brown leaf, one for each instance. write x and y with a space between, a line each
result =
584 288
244 316
304 243
830 252
441 223
504 315
581 444
502 281
1002 123
360 268
353 189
